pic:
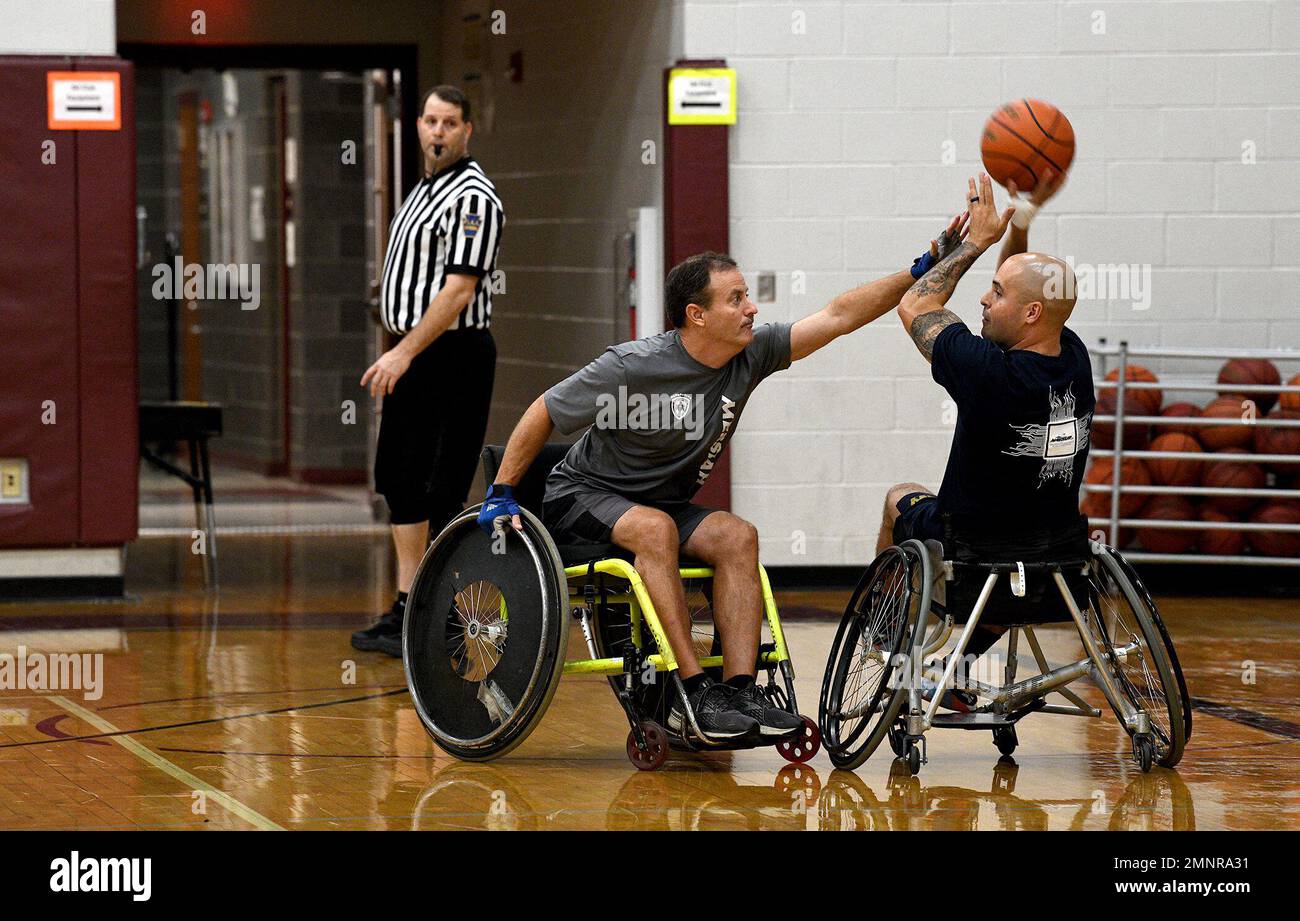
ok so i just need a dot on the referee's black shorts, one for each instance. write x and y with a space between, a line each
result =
432 427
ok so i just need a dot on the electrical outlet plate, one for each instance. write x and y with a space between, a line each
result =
13 481
766 287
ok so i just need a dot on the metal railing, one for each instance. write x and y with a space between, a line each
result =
1116 488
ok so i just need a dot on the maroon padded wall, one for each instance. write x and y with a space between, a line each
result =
108 353
67 314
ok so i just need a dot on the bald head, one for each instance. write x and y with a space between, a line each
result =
1043 278
1028 303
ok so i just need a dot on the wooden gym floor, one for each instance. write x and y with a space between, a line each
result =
239 708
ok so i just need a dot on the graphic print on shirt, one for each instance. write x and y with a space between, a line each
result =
1057 442
728 417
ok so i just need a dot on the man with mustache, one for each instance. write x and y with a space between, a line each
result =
629 480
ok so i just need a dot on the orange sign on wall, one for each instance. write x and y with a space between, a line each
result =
84 100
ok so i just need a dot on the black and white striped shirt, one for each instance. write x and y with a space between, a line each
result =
449 224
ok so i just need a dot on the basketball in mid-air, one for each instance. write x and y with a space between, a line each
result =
1023 140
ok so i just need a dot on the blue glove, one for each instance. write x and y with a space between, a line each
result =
499 503
922 264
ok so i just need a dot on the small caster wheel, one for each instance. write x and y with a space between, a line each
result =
797 780
1004 737
913 758
1144 753
896 740
655 753
801 746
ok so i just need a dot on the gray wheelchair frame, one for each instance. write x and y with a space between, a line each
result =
1003 706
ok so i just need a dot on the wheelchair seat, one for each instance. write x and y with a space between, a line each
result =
970 554
531 491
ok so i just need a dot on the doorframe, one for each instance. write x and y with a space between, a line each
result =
317 57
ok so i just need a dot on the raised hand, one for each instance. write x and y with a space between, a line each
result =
1048 186
986 225
952 235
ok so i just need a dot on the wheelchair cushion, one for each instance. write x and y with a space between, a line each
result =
573 554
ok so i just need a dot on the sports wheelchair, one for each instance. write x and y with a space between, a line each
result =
487 628
883 665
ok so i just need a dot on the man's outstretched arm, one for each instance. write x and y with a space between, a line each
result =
856 308
922 308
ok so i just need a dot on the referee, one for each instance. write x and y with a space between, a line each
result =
437 380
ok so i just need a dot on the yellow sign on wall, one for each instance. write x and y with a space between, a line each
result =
702 96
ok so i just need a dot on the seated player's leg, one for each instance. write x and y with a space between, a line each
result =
912 513
913 503
652 536
730 545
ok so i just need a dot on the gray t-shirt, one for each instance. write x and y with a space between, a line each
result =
658 418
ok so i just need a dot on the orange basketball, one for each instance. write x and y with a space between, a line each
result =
1250 371
1181 410
1132 473
1226 541
1276 543
1175 471
1279 441
1150 399
1023 140
1222 437
1168 540
1233 475
1291 400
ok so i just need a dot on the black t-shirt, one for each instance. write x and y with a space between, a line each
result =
1023 422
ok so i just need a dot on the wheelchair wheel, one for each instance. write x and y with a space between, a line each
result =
1145 596
485 636
1004 737
861 692
1119 619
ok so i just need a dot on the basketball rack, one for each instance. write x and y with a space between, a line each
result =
1116 357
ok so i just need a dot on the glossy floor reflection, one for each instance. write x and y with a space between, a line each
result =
245 707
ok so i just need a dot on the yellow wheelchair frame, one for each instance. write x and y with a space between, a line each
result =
482 709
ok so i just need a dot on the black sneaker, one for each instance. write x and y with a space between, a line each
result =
773 722
385 635
713 712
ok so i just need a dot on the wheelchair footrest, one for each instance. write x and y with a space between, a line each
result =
971 721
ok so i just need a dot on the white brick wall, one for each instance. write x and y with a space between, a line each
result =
845 108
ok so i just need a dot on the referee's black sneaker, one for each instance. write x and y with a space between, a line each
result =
714 714
773 722
385 635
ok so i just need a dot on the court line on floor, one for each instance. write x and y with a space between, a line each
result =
1251 718
247 813
225 694
215 719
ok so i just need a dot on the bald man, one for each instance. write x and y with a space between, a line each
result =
1023 389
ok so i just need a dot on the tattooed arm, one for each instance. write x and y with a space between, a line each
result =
922 308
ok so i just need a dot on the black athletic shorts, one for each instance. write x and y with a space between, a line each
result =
918 518
588 516
432 428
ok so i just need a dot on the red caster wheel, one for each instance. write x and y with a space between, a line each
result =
801 747
656 747
797 780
